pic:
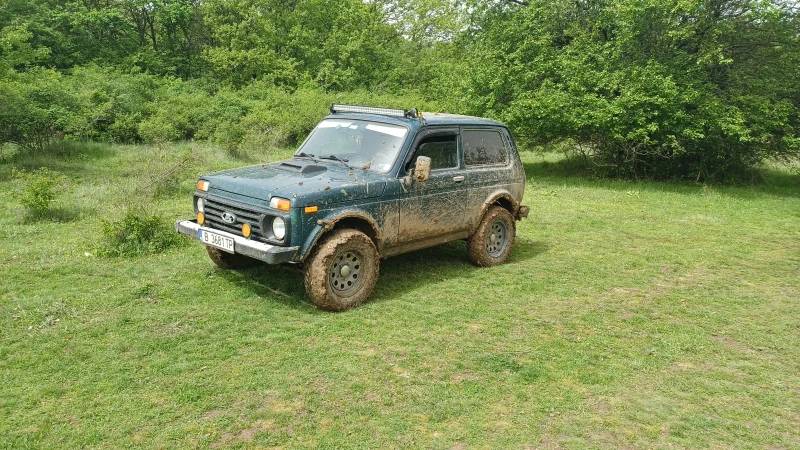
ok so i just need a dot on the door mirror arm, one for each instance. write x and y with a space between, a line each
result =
408 180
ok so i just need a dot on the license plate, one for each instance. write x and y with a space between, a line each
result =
216 240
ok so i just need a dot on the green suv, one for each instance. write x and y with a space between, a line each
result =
366 184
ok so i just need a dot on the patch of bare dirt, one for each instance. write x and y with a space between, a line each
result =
662 285
246 434
213 414
741 347
684 366
461 377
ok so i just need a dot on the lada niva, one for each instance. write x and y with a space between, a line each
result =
367 183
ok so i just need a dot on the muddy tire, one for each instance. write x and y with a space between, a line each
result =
232 261
342 271
491 243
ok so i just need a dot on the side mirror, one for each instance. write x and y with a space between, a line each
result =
422 170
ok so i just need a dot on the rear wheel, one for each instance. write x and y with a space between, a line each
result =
491 243
342 271
234 261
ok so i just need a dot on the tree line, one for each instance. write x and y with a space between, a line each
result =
702 89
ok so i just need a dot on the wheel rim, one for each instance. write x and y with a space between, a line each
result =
497 239
345 272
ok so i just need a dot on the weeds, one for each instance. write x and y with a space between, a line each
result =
140 230
137 233
38 189
163 174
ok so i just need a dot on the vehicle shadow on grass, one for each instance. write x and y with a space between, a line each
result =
398 274
444 263
279 283
765 182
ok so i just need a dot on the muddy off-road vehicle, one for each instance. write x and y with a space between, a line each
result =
366 184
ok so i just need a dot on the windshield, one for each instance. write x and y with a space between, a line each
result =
359 143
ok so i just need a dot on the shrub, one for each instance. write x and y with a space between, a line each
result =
157 130
38 189
8 151
229 135
106 104
163 174
110 104
137 233
35 106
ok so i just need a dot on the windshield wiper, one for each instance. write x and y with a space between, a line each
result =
336 158
304 155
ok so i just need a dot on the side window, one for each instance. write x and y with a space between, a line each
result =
483 147
442 150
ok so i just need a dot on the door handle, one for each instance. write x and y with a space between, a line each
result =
459 178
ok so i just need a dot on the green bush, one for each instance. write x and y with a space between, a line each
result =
106 104
38 189
8 151
110 104
35 106
229 135
136 233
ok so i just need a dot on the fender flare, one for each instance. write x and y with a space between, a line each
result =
328 223
494 199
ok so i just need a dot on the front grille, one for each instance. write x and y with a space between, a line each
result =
214 208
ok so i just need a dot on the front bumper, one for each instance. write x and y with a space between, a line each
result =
271 254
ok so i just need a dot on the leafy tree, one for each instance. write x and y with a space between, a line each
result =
337 44
663 88
658 88
16 51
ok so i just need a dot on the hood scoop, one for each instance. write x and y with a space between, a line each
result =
301 168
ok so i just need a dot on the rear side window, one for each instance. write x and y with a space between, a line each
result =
483 147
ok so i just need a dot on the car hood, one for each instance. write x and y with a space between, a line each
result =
303 181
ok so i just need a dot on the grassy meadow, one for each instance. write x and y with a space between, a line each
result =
631 315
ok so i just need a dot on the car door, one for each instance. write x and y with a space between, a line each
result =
486 161
435 207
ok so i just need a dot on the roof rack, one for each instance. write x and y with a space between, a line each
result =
412 113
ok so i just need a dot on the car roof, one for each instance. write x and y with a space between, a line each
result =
457 119
427 119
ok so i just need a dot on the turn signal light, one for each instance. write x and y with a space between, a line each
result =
311 209
280 204
201 218
202 185
246 230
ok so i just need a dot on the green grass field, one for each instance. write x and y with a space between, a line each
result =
631 315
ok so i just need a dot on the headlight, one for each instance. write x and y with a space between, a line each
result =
201 205
278 228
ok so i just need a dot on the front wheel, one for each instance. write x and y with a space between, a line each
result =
342 271
491 243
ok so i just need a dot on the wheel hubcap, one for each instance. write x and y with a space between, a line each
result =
497 239
345 271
